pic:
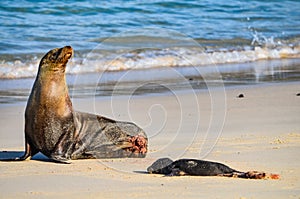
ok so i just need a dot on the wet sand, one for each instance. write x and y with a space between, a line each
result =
260 131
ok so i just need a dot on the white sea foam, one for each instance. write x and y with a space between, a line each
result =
155 58
181 57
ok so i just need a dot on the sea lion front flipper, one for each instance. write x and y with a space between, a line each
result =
176 172
30 151
59 159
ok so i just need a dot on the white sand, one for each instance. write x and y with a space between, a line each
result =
260 132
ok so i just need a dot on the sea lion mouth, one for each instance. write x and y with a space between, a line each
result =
68 55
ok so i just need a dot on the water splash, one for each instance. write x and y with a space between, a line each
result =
260 39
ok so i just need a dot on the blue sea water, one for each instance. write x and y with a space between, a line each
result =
154 33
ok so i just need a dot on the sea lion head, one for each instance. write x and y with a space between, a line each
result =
56 60
162 166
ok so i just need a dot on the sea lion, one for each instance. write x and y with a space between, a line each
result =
53 128
196 167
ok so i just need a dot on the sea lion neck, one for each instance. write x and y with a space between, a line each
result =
52 91
51 88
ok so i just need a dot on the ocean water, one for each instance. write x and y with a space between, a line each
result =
125 35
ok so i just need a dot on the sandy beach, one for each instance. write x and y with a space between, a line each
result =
216 81
260 131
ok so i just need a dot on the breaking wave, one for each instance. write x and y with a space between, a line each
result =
146 52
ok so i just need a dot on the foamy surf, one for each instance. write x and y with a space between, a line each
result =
179 57
118 60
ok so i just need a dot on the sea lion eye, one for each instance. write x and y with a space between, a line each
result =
53 56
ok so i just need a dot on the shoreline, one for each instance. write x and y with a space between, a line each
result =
260 132
162 80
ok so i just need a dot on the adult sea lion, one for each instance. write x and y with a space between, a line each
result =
55 129
196 167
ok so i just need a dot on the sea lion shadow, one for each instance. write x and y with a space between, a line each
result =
141 172
11 155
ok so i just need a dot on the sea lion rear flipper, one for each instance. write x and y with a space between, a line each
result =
100 137
258 175
251 175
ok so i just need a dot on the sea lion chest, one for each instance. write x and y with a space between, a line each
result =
49 116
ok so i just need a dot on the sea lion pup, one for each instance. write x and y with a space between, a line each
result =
202 168
55 129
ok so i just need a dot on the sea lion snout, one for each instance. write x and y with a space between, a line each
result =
68 52
64 54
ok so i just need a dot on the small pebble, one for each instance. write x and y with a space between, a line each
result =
241 95
298 94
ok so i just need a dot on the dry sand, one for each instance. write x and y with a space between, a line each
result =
258 132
